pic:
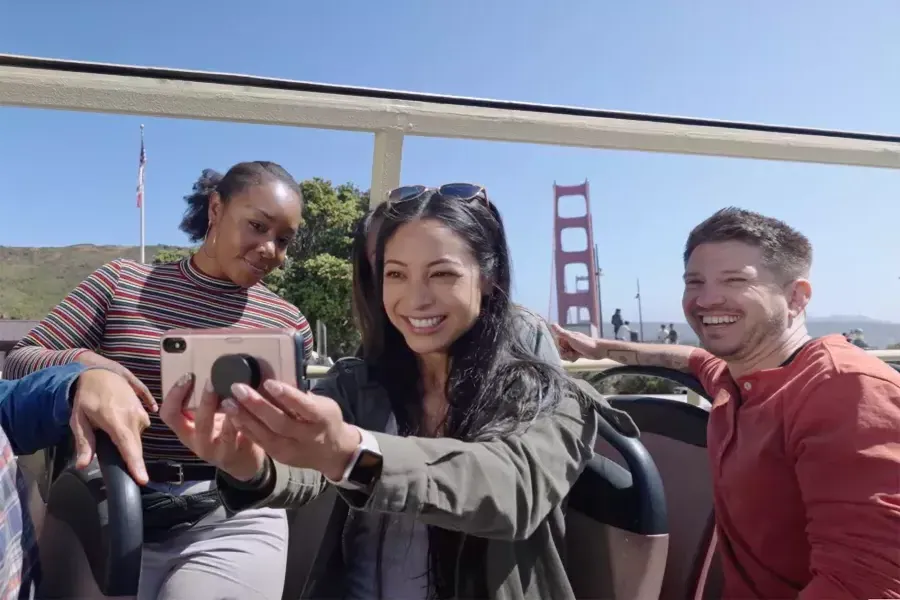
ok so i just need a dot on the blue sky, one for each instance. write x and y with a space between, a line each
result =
69 177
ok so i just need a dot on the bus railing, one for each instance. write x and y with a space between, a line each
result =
597 366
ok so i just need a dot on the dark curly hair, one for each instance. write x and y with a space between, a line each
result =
241 176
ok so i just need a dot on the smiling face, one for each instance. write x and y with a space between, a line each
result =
253 230
734 302
432 285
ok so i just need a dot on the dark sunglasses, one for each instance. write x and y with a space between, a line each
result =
451 191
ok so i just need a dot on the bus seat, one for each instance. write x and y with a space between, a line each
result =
674 433
616 524
91 534
307 525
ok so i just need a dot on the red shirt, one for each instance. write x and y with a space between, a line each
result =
806 474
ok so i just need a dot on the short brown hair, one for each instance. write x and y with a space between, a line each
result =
785 250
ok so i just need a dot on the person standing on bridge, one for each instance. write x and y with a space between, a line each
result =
617 322
803 434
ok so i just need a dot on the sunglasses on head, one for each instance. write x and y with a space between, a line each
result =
451 191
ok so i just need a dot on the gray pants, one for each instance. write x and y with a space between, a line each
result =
241 558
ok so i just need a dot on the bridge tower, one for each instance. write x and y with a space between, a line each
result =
577 305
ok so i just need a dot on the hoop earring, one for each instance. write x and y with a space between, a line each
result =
211 243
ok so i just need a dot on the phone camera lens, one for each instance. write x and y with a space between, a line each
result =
174 345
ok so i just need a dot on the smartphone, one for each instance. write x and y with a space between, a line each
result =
231 355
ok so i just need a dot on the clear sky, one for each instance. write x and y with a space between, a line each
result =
69 178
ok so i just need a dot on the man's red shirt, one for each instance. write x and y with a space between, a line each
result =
806 474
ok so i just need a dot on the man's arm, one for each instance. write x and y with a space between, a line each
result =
35 410
646 355
846 449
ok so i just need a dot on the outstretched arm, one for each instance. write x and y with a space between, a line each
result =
35 410
574 345
502 489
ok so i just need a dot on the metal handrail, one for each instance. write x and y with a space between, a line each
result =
595 366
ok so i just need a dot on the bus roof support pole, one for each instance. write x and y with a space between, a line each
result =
386 163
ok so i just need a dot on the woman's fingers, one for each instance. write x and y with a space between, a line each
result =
143 393
262 409
300 405
248 425
205 415
172 410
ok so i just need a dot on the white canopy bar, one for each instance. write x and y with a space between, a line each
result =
391 115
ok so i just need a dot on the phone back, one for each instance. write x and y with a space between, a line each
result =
277 353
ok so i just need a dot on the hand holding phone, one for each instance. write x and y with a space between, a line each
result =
228 356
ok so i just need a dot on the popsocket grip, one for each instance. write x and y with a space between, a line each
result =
229 369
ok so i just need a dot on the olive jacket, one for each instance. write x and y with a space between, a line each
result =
508 491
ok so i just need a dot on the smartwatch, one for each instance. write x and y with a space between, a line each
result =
364 467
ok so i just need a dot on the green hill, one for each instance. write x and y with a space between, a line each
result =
34 280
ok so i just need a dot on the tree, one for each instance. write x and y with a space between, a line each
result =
321 287
317 276
329 216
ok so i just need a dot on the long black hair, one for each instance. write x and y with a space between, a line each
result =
495 388
363 297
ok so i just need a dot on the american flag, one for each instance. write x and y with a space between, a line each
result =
141 164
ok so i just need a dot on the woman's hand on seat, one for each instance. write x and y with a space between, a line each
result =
104 400
211 435
89 358
295 428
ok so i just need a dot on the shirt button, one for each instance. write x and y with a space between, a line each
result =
747 385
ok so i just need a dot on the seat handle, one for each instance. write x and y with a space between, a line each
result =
125 530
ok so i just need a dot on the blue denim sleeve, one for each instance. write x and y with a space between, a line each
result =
35 410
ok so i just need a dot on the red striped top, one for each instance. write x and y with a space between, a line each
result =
121 311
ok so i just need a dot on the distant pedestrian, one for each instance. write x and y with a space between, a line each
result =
624 332
617 322
663 336
673 335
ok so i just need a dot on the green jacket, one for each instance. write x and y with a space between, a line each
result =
509 491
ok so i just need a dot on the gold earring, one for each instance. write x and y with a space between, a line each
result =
210 243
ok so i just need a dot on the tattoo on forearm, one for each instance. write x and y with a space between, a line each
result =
648 359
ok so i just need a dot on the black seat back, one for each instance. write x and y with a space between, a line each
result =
91 537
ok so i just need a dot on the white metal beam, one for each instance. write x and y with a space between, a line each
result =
386 163
112 93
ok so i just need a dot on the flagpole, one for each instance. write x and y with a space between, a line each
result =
640 309
142 199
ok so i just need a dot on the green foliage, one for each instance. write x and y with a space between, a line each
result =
631 384
329 215
321 287
34 280
170 255
317 277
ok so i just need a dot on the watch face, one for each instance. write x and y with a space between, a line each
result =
366 469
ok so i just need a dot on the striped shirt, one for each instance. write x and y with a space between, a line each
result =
121 311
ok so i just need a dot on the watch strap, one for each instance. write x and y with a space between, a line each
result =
367 442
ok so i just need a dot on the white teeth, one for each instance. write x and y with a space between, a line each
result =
719 320
425 323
